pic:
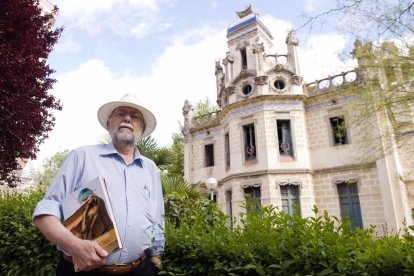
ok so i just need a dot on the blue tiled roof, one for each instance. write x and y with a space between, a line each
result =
241 24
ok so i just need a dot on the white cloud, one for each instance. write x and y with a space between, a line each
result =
182 72
310 6
124 17
185 70
321 56
279 30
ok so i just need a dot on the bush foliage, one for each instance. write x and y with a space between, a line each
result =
267 242
23 251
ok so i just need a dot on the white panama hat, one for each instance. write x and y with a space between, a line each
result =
129 100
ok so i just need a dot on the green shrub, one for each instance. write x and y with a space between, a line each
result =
270 242
267 242
23 250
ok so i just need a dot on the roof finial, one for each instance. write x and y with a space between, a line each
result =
247 11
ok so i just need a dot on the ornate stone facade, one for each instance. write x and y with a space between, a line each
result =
288 142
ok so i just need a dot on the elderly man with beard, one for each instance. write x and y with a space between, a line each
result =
134 188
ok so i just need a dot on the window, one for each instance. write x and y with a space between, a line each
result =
290 198
227 150
253 195
249 142
247 89
349 201
229 207
243 58
285 137
279 84
338 127
209 155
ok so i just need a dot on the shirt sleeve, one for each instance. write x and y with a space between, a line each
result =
158 240
62 185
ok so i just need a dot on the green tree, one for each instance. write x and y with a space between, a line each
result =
176 167
151 149
50 167
385 52
26 39
203 107
370 20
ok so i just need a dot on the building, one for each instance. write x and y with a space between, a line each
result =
287 142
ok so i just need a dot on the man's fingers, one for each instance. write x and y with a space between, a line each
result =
100 251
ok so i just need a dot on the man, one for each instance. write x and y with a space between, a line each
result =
134 189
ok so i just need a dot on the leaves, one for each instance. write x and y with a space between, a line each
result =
26 39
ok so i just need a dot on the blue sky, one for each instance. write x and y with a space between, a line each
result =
164 51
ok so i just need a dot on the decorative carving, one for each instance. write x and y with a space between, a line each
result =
243 75
243 85
219 69
278 68
297 80
230 90
348 179
260 80
245 12
255 185
288 181
242 45
187 112
258 48
245 34
228 59
278 89
292 39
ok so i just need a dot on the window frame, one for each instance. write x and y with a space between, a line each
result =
209 155
249 139
288 196
352 196
278 127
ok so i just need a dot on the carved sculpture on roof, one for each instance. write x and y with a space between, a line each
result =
219 69
243 75
260 80
258 48
245 12
230 90
228 59
292 39
187 112
242 45
298 80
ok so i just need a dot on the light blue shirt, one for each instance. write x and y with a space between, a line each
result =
134 190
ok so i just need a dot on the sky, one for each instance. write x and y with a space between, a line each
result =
164 52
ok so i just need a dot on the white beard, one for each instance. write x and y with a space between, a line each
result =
124 137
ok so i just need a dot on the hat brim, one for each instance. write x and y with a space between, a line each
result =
105 111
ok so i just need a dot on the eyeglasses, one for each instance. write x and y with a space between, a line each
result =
134 115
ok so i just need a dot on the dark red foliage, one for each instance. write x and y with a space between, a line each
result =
26 39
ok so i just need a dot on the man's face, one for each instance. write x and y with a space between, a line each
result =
125 125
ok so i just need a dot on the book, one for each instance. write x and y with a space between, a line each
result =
88 214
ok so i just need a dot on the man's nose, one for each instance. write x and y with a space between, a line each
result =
127 117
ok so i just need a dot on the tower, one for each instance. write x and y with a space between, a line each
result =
289 143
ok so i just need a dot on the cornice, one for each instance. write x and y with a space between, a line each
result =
298 171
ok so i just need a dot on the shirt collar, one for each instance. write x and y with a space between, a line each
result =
109 149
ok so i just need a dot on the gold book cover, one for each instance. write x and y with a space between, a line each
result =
88 215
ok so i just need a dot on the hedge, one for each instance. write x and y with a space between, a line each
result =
267 242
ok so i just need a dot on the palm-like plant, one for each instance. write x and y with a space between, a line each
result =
148 147
160 155
176 187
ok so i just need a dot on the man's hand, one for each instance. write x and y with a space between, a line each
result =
87 255
156 261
